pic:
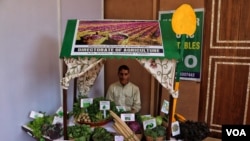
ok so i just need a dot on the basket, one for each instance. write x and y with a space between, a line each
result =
95 124
139 136
149 138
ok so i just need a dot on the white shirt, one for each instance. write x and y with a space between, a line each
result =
128 95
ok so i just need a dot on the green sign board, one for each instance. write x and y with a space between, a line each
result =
190 70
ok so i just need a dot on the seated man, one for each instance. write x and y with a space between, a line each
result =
125 93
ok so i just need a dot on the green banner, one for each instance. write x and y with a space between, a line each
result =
191 66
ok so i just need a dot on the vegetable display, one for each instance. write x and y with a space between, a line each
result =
158 131
122 128
101 134
42 126
79 132
159 120
92 113
135 126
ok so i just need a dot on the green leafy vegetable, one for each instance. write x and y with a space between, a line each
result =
101 134
37 125
158 131
93 110
79 132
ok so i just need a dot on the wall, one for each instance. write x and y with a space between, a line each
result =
128 9
171 5
30 37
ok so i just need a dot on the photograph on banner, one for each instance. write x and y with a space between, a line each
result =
117 37
192 57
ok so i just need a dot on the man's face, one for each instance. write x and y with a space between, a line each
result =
123 76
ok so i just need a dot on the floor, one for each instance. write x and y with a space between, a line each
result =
207 139
211 139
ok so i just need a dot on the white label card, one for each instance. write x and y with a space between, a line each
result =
175 128
57 119
59 112
119 138
149 124
34 114
121 108
85 102
128 117
165 107
104 105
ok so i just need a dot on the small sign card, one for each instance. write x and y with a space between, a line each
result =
121 108
34 114
104 105
59 112
165 107
149 124
119 138
175 128
57 119
128 117
85 102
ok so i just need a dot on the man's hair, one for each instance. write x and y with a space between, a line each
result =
123 67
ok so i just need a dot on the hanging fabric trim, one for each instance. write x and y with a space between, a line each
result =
163 70
87 80
76 67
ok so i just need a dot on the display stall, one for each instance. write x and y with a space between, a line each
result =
87 44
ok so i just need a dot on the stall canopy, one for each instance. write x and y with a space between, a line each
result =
87 44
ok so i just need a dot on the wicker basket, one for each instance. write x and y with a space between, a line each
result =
149 138
95 124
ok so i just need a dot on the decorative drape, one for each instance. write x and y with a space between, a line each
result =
87 70
87 80
162 69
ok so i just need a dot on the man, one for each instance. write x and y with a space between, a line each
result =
125 93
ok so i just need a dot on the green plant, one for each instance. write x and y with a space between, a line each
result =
79 132
165 117
93 110
77 110
102 134
53 131
42 126
38 124
158 131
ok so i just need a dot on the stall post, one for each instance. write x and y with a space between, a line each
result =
65 116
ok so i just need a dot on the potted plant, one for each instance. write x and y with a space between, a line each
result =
155 134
